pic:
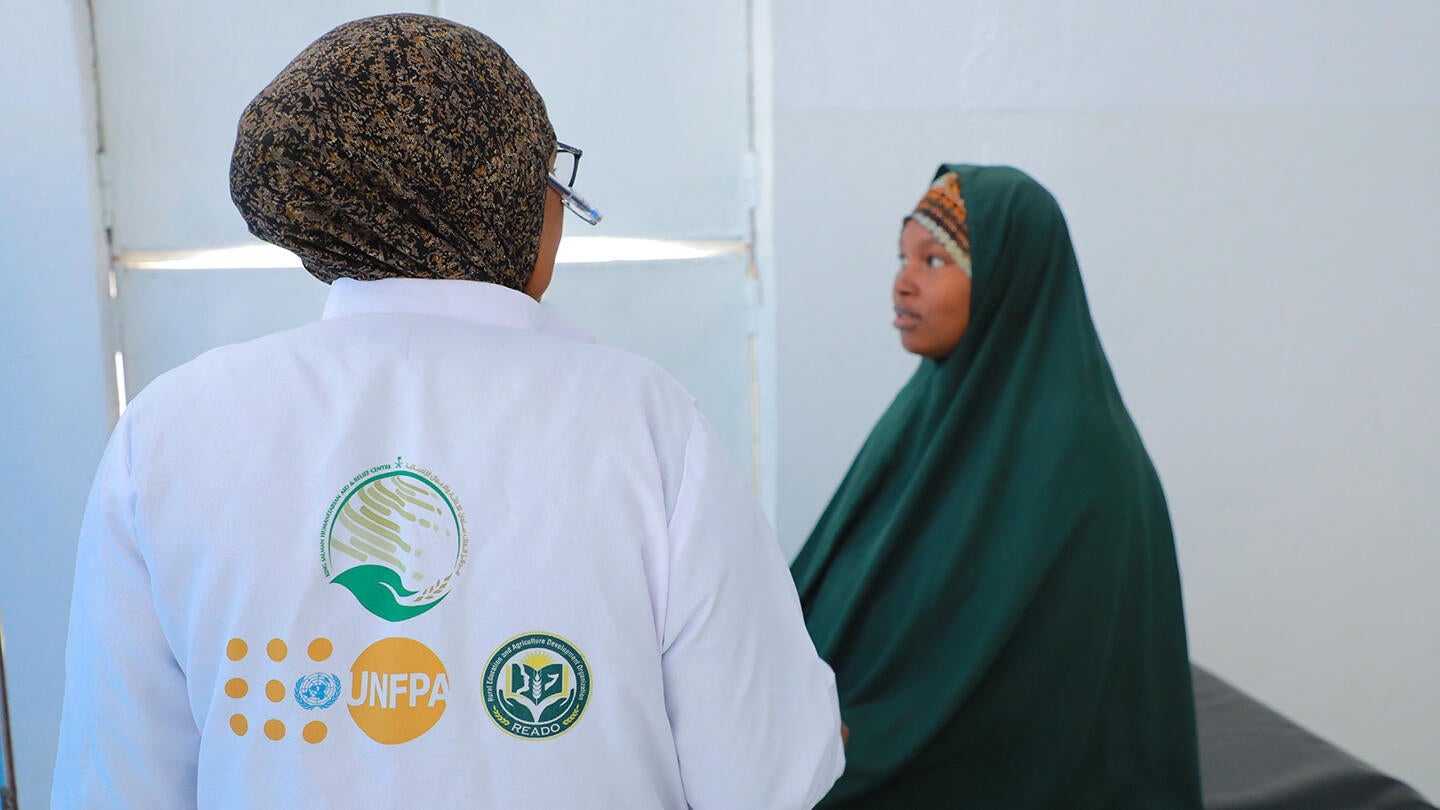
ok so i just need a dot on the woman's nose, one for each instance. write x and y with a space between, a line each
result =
905 281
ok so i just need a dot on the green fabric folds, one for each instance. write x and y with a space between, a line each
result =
995 581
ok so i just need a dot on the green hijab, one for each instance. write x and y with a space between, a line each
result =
995 581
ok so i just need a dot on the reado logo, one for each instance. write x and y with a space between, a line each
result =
536 686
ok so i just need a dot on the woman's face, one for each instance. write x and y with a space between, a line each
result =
931 294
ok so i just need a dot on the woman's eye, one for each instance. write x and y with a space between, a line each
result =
935 261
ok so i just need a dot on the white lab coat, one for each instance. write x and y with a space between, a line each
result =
306 558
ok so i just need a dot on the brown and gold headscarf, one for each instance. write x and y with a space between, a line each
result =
398 146
942 212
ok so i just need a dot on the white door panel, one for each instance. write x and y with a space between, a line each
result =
174 77
655 92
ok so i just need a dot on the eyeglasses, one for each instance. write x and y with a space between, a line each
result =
567 166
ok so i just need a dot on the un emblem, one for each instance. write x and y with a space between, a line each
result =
318 690
536 686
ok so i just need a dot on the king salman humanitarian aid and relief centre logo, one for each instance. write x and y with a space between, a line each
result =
395 538
536 686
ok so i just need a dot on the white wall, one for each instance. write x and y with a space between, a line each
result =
53 412
1254 190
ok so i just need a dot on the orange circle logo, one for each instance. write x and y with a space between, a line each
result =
397 691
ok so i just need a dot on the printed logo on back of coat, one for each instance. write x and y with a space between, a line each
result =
397 689
536 686
394 537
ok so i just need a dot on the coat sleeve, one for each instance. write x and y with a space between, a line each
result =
752 706
127 736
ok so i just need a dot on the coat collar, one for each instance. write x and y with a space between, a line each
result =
475 301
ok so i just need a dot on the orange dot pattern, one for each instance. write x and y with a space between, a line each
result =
315 732
320 649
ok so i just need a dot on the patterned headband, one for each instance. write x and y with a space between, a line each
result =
941 212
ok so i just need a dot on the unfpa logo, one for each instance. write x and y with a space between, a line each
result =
397 690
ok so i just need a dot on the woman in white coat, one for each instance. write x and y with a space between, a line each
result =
437 549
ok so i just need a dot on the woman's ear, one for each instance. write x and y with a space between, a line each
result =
550 232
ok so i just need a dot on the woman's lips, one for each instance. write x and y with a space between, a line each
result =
905 319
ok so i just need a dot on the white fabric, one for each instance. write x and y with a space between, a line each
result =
598 507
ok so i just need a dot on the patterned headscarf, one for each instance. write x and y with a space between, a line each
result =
398 146
942 212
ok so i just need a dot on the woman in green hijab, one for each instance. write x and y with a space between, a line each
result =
995 580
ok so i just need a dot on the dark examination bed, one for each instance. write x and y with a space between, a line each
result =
1252 758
